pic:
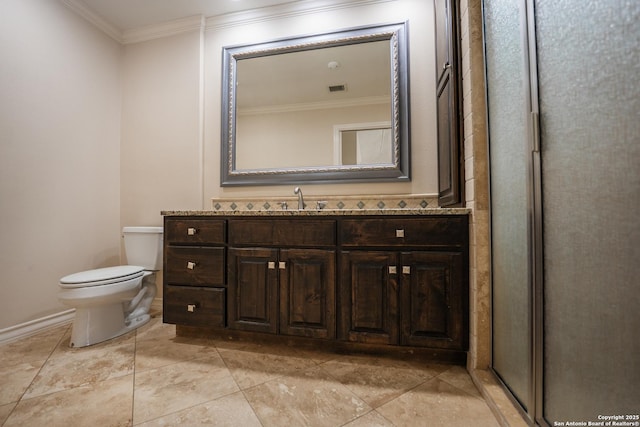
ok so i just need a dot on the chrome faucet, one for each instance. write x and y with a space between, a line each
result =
301 204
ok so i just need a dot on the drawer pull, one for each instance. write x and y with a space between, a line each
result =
399 233
393 269
191 265
191 231
271 265
406 269
191 308
282 265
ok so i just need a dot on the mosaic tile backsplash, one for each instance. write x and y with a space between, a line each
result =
412 201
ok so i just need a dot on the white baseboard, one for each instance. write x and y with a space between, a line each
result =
33 327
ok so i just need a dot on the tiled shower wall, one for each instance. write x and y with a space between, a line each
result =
476 181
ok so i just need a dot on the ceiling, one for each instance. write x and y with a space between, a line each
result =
304 77
130 14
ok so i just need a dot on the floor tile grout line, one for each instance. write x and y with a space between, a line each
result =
20 399
133 383
244 395
240 389
55 347
73 387
450 375
318 365
364 415
479 396
207 401
282 376
391 399
373 409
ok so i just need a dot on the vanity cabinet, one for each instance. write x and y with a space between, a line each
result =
282 276
194 290
396 280
404 281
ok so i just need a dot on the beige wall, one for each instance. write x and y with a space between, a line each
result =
60 96
161 155
307 141
96 136
419 13
171 141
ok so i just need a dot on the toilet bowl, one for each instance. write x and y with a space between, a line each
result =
112 301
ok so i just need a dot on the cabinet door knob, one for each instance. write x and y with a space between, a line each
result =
271 265
191 265
282 265
400 233
393 269
191 231
406 269
191 308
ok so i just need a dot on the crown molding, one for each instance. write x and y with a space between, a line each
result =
171 28
309 106
199 22
269 13
84 11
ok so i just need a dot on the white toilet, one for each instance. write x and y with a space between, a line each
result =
112 301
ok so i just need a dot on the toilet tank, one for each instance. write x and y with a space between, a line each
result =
143 246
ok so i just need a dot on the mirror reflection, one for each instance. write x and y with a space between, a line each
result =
316 108
291 102
363 144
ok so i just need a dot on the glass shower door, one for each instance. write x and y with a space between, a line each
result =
589 84
508 110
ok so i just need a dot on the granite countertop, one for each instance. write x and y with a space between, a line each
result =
323 212
378 204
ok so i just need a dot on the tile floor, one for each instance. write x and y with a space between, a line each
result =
150 377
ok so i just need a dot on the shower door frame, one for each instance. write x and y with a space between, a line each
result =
534 407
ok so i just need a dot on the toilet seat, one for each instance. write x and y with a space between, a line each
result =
101 276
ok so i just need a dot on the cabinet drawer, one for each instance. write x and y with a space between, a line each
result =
295 232
194 231
194 266
194 306
398 232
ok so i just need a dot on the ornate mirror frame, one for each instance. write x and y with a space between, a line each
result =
396 171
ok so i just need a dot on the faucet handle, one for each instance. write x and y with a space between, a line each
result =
283 205
321 204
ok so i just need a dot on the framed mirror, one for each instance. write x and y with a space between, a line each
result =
317 109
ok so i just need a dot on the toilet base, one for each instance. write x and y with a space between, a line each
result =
96 324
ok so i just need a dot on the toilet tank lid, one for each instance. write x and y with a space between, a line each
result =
157 230
100 275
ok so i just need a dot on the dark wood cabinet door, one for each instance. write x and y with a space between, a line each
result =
252 303
369 297
307 292
450 158
433 300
